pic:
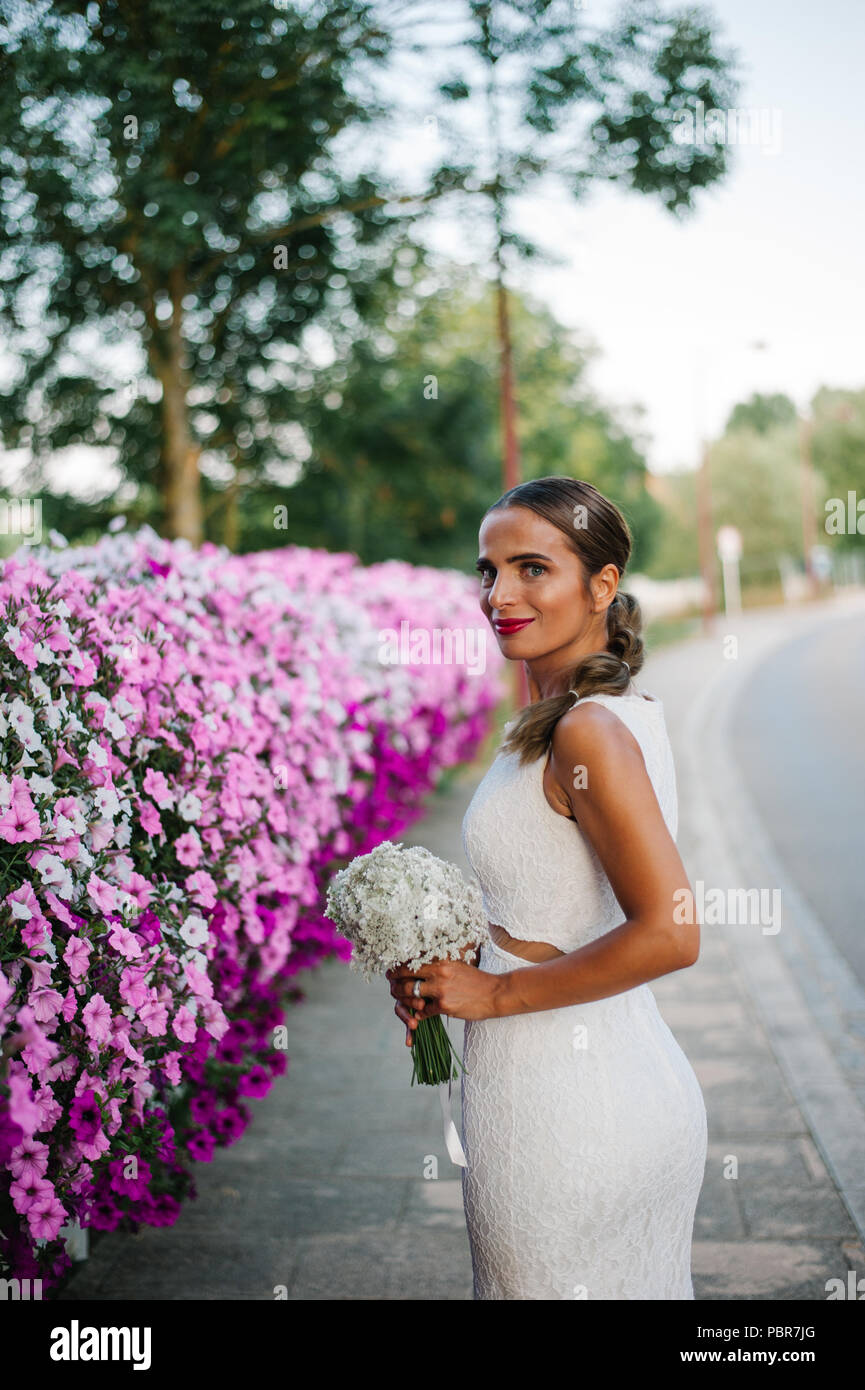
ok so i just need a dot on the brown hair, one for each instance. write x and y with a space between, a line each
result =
599 535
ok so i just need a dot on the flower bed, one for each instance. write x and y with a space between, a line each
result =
192 743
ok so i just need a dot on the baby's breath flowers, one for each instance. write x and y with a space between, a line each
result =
404 906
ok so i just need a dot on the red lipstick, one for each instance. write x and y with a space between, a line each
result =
506 626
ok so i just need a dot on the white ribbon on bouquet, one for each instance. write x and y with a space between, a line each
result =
452 1138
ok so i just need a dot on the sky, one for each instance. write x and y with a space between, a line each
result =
770 256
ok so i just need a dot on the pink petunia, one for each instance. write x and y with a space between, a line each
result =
29 1160
36 936
23 902
45 1218
27 1191
200 984
133 990
77 956
188 849
148 817
22 1105
60 910
124 942
101 834
20 820
97 1019
155 785
202 887
213 1018
154 1016
101 893
46 1004
39 1049
183 1024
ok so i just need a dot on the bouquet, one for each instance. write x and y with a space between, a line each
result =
404 906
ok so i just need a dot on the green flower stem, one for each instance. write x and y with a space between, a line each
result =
433 1053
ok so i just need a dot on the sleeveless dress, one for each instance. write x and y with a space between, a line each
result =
584 1127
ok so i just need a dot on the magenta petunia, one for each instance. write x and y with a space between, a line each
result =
85 1116
201 1145
256 1082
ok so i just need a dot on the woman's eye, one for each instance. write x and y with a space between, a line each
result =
529 565
541 568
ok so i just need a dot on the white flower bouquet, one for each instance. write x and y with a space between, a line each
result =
404 906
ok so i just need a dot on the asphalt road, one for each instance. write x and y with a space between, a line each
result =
798 736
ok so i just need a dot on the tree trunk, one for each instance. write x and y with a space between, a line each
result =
180 451
511 448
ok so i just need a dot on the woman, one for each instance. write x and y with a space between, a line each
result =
584 1125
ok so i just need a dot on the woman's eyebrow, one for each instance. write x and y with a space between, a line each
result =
482 559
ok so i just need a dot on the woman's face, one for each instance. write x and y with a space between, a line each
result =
532 592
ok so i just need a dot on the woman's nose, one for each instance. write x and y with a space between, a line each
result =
501 593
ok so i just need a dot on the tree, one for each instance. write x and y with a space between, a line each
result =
761 413
583 103
404 457
838 447
168 184
174 184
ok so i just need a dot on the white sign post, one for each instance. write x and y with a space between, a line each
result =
729 543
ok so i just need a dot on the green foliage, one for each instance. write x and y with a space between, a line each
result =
407 458
761 413
179 207
838 449
167 182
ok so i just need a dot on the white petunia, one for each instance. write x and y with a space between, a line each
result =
55 874
189 807
200 961
43 785
195 931
107 802
39 687
97 753
114 724
44 653
20 715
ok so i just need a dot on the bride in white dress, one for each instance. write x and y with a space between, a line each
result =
584 1125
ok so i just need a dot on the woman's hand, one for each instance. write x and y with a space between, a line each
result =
448 987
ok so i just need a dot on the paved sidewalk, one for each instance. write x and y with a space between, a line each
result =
326 1195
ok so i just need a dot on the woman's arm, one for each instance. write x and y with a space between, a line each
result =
617 810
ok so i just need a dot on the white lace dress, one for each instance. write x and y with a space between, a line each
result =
584 1127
